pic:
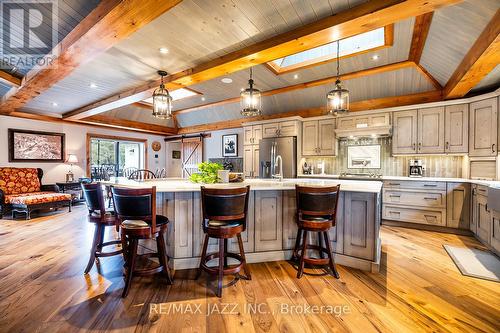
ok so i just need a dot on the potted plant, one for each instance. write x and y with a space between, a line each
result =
207 173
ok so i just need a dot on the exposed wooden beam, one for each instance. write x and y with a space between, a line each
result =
481 59
428 76
310 84
365 17
128 124
110 22
420 32
377 103
10 79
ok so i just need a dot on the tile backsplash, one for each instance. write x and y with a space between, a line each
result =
435 165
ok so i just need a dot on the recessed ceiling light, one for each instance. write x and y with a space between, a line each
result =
93 85
203 98
227 80
54 104
375 57
163 50
296 76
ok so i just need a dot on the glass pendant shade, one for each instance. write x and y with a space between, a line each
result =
250 100
162 101
338 99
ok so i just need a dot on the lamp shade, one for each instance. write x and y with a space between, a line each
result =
72 158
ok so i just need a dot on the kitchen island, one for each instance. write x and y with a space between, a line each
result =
271 226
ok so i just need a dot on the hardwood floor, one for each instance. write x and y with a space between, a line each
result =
419 289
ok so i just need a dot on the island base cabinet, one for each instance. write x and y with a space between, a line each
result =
268 221
495 231
457 205
290 224
483 219
360 225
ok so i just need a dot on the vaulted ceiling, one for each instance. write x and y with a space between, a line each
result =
424 54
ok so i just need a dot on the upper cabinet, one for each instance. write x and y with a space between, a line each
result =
365 125
456 128
318 137
430 131
252 134
404 137
277 129
483 128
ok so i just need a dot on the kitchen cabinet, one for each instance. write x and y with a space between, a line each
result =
456 128
251 161
318 137
277 129
483 231
473 215
495 230
457 205
252 134
430 130
483 132
404 137
268 221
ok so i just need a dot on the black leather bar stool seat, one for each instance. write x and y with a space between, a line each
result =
136 209
102 218
224 217
316 212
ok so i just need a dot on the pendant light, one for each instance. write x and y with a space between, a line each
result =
250 100
338 99
162 101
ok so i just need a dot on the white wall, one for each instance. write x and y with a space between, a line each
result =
76 137
212 147
173 166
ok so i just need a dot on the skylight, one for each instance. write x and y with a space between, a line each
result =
177 94
350 46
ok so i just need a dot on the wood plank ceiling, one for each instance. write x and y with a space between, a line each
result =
195 32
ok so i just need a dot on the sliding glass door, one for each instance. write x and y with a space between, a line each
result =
111 156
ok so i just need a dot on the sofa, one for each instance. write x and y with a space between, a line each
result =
21 190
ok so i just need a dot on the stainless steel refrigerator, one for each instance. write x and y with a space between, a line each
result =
269 148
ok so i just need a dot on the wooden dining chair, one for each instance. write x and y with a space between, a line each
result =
142 174
136 210
94 198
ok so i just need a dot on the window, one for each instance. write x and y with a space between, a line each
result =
348 47
112 155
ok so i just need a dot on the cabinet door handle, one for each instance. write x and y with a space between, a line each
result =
394 196
414 147
430 185
493 148
486 208
428 198
394 184
447 146
420 146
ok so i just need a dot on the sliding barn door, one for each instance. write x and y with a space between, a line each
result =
192 155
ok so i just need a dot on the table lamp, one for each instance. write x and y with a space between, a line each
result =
72 159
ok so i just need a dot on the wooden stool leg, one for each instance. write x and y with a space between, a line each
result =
101 240
203 255
221 268
162 255
225 251
248 276
330 255
302 255
320 244
95 243
297 244
132 250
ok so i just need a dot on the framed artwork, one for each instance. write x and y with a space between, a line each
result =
176 154
363 157
230 145
35 146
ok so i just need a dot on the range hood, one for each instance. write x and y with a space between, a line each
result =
364 126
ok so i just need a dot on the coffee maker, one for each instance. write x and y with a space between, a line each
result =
415 168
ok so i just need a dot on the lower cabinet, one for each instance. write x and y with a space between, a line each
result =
495 230
483 218
457 205
268 221
359 238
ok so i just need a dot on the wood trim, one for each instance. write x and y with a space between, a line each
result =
126 124
91 136
110 22
310 84
428 76
10 79
481 59
362 18
388 42
378 103
420 32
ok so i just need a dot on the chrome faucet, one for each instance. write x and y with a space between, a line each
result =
280 174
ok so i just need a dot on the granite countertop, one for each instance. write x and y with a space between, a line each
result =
491 183
182 185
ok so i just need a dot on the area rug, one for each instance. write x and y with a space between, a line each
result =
476 263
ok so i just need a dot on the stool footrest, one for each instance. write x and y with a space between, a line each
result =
231 269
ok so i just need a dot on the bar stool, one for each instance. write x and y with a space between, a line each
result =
136 209
98 215
316 211
224 217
